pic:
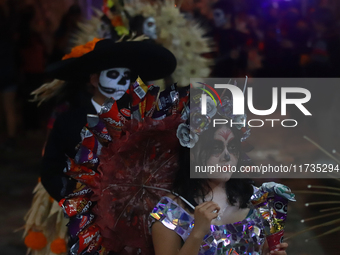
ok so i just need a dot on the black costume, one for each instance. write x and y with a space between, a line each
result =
61 144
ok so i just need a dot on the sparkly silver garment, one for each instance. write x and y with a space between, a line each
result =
245 237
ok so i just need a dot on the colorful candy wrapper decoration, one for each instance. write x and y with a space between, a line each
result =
100 220
86 157
80 173
167 100
95 247
98 128
79 223
124 106
89 141
138 91
183 97
151 99
76 190
109 113
271 200
85 239
76 205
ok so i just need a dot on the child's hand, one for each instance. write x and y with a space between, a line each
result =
280 249
204 214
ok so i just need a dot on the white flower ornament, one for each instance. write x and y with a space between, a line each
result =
185 136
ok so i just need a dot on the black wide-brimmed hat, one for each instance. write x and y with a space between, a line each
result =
144 58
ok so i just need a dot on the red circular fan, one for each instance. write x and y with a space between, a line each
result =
133 171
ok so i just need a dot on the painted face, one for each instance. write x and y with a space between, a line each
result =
104 30
114 82
280 207
149 28
219 18
224 152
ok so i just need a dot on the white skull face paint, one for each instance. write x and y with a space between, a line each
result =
219 18
280 207
149 28
114 82
104 30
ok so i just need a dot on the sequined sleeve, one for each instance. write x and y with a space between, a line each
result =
172 216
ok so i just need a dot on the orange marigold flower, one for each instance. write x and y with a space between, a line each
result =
80 50
117 21
58 246
35 240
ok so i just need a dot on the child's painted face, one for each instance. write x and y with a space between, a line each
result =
219 18
114 82
224 152
149 28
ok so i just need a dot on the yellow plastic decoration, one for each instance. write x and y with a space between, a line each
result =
121 30
110 3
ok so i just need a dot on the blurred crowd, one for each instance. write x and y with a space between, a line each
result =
273 39
29 42
258 38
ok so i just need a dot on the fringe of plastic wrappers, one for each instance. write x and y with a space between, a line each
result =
139 104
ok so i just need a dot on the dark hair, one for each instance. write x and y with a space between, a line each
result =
237 189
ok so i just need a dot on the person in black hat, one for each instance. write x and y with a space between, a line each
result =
110 68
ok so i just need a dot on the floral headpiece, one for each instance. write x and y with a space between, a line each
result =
81 50
195 123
